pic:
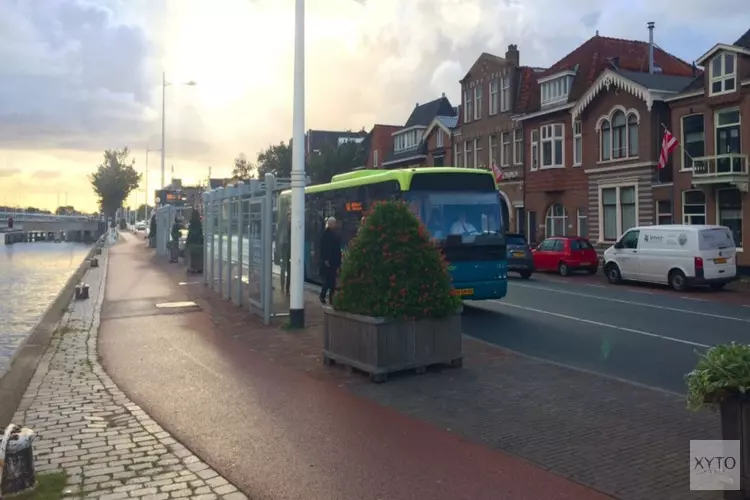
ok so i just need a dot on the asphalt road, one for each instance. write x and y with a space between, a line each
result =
643 335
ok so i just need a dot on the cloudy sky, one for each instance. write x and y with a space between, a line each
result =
79 76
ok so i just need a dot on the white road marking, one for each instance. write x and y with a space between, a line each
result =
597 286
693 298
640 304
605 325
645 292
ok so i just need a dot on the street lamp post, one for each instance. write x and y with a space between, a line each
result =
297 298
164 85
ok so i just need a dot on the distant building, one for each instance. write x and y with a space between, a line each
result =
378 143
317 140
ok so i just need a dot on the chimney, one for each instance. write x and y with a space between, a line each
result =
650 47
443 95
512 55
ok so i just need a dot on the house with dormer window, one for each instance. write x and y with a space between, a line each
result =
709 118
488 135
592 130
410 145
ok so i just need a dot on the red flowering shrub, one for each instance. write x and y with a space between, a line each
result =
392 269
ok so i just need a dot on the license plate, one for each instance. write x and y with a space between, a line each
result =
519 254
722 260
463 291
585 263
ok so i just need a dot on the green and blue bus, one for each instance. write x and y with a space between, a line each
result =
460 207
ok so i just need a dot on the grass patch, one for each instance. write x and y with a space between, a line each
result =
48 487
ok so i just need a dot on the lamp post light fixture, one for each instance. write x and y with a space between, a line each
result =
164 85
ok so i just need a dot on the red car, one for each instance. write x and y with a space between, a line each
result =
566 254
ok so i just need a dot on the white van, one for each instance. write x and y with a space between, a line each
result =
678 255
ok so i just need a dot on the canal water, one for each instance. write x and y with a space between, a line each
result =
31 276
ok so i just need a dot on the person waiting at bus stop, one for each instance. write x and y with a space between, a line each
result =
330 256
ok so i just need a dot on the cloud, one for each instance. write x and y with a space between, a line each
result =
46 174
74 72
85 74
9 172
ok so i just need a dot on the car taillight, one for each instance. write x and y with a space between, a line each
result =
698 264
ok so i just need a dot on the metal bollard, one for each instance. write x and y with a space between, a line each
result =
16 460
82 291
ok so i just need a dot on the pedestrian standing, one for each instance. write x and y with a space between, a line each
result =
330 254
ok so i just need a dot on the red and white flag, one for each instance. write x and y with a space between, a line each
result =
497 172
668 144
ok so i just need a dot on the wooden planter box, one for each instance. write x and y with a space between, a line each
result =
735 424
194 257
381 346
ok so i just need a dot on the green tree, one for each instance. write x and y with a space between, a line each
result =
143 211
242 168
335 160
276 160
114 180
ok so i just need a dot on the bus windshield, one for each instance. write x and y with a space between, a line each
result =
464 213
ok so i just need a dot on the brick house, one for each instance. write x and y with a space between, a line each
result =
438 140
409 144
711 173
488 135
592 126
378 143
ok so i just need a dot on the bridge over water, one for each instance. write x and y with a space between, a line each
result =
34 227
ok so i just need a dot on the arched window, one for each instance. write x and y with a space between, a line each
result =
557 220
619 135
632 135
605 142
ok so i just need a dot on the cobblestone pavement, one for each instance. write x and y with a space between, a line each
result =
86 426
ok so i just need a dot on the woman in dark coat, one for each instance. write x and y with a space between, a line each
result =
330 260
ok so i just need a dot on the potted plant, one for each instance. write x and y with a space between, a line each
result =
152 232
721 380
194 243
394 308
174 246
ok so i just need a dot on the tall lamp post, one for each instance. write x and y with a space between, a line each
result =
297 298
164 85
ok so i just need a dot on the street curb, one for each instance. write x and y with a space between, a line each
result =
24 361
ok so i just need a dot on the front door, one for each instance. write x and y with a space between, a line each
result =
627 256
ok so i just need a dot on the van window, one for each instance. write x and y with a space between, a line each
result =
715 239
630 239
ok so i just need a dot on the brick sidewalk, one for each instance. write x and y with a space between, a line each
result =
627 441
88 428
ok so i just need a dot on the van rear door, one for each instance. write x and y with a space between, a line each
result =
719 253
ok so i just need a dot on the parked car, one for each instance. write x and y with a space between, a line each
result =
680 256
566 254
520 259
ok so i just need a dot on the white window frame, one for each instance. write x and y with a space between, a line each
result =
555 91
477 149
659 214
494 104
467 153
439 137
629 155
505 151
742 210
683 168
457 154
600 201
375 158
724 77
685 217
577 143
548 135
467 106
582 220
518 146
478 102
494 151
534 149
738 123
547 217
505 94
